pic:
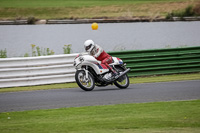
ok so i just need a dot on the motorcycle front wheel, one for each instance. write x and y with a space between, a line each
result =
83 83
122 82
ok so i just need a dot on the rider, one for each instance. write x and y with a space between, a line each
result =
97 52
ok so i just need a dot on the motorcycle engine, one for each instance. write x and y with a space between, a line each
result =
107 76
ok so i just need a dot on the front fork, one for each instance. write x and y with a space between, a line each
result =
86 78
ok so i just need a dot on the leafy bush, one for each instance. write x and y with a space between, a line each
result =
187 12
196 9
37 51
3 53
26 55
67 49
31 20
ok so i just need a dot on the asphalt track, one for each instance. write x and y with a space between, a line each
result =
75 97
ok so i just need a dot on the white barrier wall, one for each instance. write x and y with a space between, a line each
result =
28 71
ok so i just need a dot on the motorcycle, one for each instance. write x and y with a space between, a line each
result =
90 73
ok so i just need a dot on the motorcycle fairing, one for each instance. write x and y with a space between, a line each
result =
116 61
102 66
88 60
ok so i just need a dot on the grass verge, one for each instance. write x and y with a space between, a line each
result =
62 9
133 80
165 117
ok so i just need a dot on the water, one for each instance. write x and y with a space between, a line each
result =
17 39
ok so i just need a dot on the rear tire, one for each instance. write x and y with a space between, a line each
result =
80 80
122 82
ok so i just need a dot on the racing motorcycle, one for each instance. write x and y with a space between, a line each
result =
90 73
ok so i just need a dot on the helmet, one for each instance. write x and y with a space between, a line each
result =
89 45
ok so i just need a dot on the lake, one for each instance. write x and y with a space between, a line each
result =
17 39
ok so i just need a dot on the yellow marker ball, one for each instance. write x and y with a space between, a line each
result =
94 26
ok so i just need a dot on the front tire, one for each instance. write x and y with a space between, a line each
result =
86 85
122 82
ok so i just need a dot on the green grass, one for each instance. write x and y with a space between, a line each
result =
133 80
62 9
165 117
73 3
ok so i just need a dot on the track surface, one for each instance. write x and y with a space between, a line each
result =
75 97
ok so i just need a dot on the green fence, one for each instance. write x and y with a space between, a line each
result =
161 61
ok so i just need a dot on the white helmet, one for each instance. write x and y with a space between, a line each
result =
89 45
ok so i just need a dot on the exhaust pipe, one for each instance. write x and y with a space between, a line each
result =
122 74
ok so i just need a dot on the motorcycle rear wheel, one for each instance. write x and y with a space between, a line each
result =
81 81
